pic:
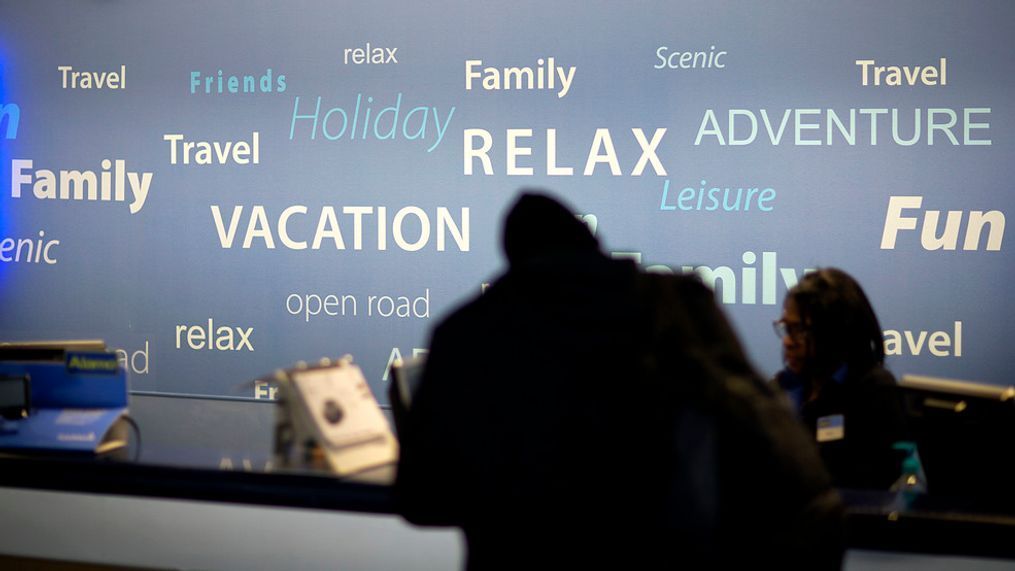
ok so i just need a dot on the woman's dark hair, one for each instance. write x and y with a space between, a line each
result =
840 322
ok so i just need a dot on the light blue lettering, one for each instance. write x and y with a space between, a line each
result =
711 199
12 113
324 124
440 130
666 191
384 124
317 111
421 132
686 194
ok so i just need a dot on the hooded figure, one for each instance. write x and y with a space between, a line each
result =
539 226
573 416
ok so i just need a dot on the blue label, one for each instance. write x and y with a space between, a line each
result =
100 363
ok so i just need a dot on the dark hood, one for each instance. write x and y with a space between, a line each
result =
539 226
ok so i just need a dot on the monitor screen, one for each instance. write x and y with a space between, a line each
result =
13 396
963 431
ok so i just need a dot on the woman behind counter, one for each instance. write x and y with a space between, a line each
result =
834 375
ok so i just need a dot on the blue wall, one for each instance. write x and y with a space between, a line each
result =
767 106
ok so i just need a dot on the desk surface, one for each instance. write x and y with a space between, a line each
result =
368 492
182 458
875 520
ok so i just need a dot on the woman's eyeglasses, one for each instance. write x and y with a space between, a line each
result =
793 330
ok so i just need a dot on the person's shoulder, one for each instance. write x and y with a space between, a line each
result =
691 281
465 313
787 380
876 384
479 307
683 286
877 376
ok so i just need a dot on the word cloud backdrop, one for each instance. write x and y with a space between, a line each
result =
220 189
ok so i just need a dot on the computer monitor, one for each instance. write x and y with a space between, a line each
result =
964 433
15 396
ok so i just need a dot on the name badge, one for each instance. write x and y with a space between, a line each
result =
832 427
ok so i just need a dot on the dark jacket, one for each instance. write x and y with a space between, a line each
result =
872 420
581 414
